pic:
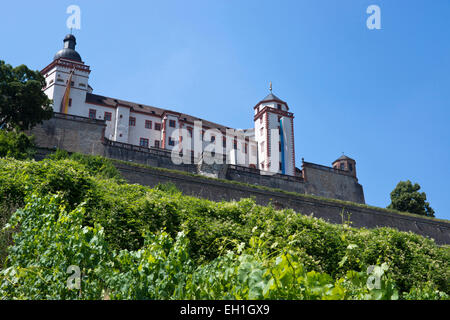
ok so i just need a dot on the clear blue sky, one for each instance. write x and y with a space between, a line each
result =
381 96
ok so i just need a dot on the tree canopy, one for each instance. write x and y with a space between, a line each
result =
406 197
23 104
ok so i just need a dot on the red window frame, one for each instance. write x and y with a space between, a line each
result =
158 126
148 124
108 116
132 122
172 123
92 113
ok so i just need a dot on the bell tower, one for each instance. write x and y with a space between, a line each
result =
67 77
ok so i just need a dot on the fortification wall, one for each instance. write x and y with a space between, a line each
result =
330 211
71 133
332 183
253 176
79 134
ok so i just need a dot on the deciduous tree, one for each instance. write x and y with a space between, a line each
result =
23 104
406 197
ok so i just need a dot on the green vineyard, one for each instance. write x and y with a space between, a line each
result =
134 242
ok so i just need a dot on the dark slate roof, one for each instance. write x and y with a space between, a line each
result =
107 101
271 97
68 52
344 157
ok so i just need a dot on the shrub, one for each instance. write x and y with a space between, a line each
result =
16 145
95 165
52 240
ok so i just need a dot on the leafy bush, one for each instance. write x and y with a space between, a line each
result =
16 145
96 165
52 239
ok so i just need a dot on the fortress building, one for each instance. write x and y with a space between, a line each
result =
267 147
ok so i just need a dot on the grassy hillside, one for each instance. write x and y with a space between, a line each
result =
132 241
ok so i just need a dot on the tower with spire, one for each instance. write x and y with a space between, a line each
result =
274 134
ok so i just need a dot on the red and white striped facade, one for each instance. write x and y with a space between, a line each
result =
150 126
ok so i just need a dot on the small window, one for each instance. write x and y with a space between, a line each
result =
235 144
132 121
108 116
156 143
70 102
171 142
213 138
281 166
342 166
279 106
92 113
82 85
350 167
148 124
261 120
224 142
245 148
143 142
172 123
72 84
158 126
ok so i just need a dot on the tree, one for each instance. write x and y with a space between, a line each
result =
23 104
406 197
